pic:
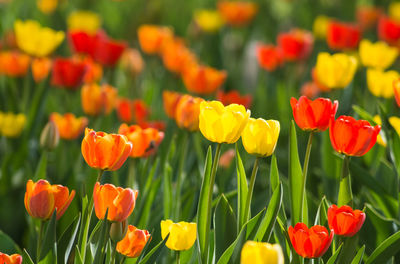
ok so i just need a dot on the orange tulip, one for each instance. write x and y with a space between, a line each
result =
367 16
105 151
119 202
132 61
171 100
132 110
145 141
13 259
133 242
42 198
98 99
152 38
187 112
269 57
176 56
14 64
41 68
234 97
94 71
237 13
202 79
69 126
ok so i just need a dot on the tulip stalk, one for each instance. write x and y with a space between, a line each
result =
345 194
39 242
305 171
247 211
178 257
181 173
132 173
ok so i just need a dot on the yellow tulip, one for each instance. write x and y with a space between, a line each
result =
260 136
261 253
222 124
395 123
86 21
182 235
380 83
320 26
335 71
208 20
377 55
36 40
394 10
46 6
11 125
381 139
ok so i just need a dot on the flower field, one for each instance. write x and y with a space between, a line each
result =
213 132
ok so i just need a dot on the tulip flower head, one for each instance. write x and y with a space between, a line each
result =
396 91
182 235
222 124
46 6
41 68
42 198
310 242
343 36
377 55
69 126
187 112
170 100
11 125
352 137
320 26
234 97
14 63
85 21
269 57
98 99
237 13
208 20
132 61
261 253
68 73
152 38
105 151
12 259
367 16
380 83
176 56
133 243
296 44
389 30
344 220
202 79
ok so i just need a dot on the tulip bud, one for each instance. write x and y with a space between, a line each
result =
49 137
118 230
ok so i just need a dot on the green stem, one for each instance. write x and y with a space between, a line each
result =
345 194
114 253
247 211
209 205
132 173
39 242
178 257
181 174
305 171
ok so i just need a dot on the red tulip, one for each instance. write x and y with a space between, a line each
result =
310 243
389 30
343 36
82 42
108 51
352 137
344 220
313 115
67 72
10 259
295 44
396 88
234 97
269 57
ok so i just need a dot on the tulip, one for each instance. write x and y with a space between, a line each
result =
13 259
377 55
69 126
187 112
237 13
260 136
296 44
269 57
226 158
380 83
396 90
310 90
394 121
67 72
42 198
47 6
310 243
145 141
133 243
41 68
320 26
170 100
82 42
233 97
352 137
152 38
119 202
94 71
11 125
335 71
367 16
182 235
85 21
14 64
107 51
222 124
97 99
394 11
344 220
132 61
208 20
389 30
343 36
261 253
313 115
202 79
176 57
381 138
105 151
125 110
50 136
36 40
321 87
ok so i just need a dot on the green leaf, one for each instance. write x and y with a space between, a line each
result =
383 226
40 172
145 213
202 208
78 257
265 229
385 250
274 174
7 245
363 114
26 258
104 234
67 240
242 190
50 236
154 253
358 258
322 212
332 259
167 195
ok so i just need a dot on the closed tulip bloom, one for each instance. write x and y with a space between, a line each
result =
97 99
42 198
68 73
133 243
313 115
82 42
389 30
14 63
335 71
47 6
377 55
396 90
380 83
68 125
320 26
222 124
260 136
144 140
269 57
152 37
107 51
12 259
41 68
208 20
344 220
187 112
352 137
119 202
11 125
86 21
237 13
49 137
170 100
105 151
182 235
234 97
261 253
176 56
310 243
343 36
36 40
202 79
296 44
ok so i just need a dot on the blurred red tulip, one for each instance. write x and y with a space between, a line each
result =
170 100
296 44
234 97
202 79
396 88
389 30
237 13
343 36
67 72
269 57
12 259
344 220
367 16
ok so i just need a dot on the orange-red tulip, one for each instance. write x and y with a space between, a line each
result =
42 198
367 16
344 220
187 112
171 99
145 141
69 126
296 44
105 151
389 30
13 259
202 79
97 99
237 13
396 88
343 36
234 97
133 242
132 61
132 110
269 57
68 72
94 71
119 202
310 243
310 90
14 64
176 56
352 137
41 68
152 37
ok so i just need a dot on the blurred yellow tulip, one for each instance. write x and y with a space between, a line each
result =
380 83
381 139
182 235
11 125
86 21
208 20
260 136
36 40
377 55
320 26
335 71
47 6
394 10
395 123
222 124
261 253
